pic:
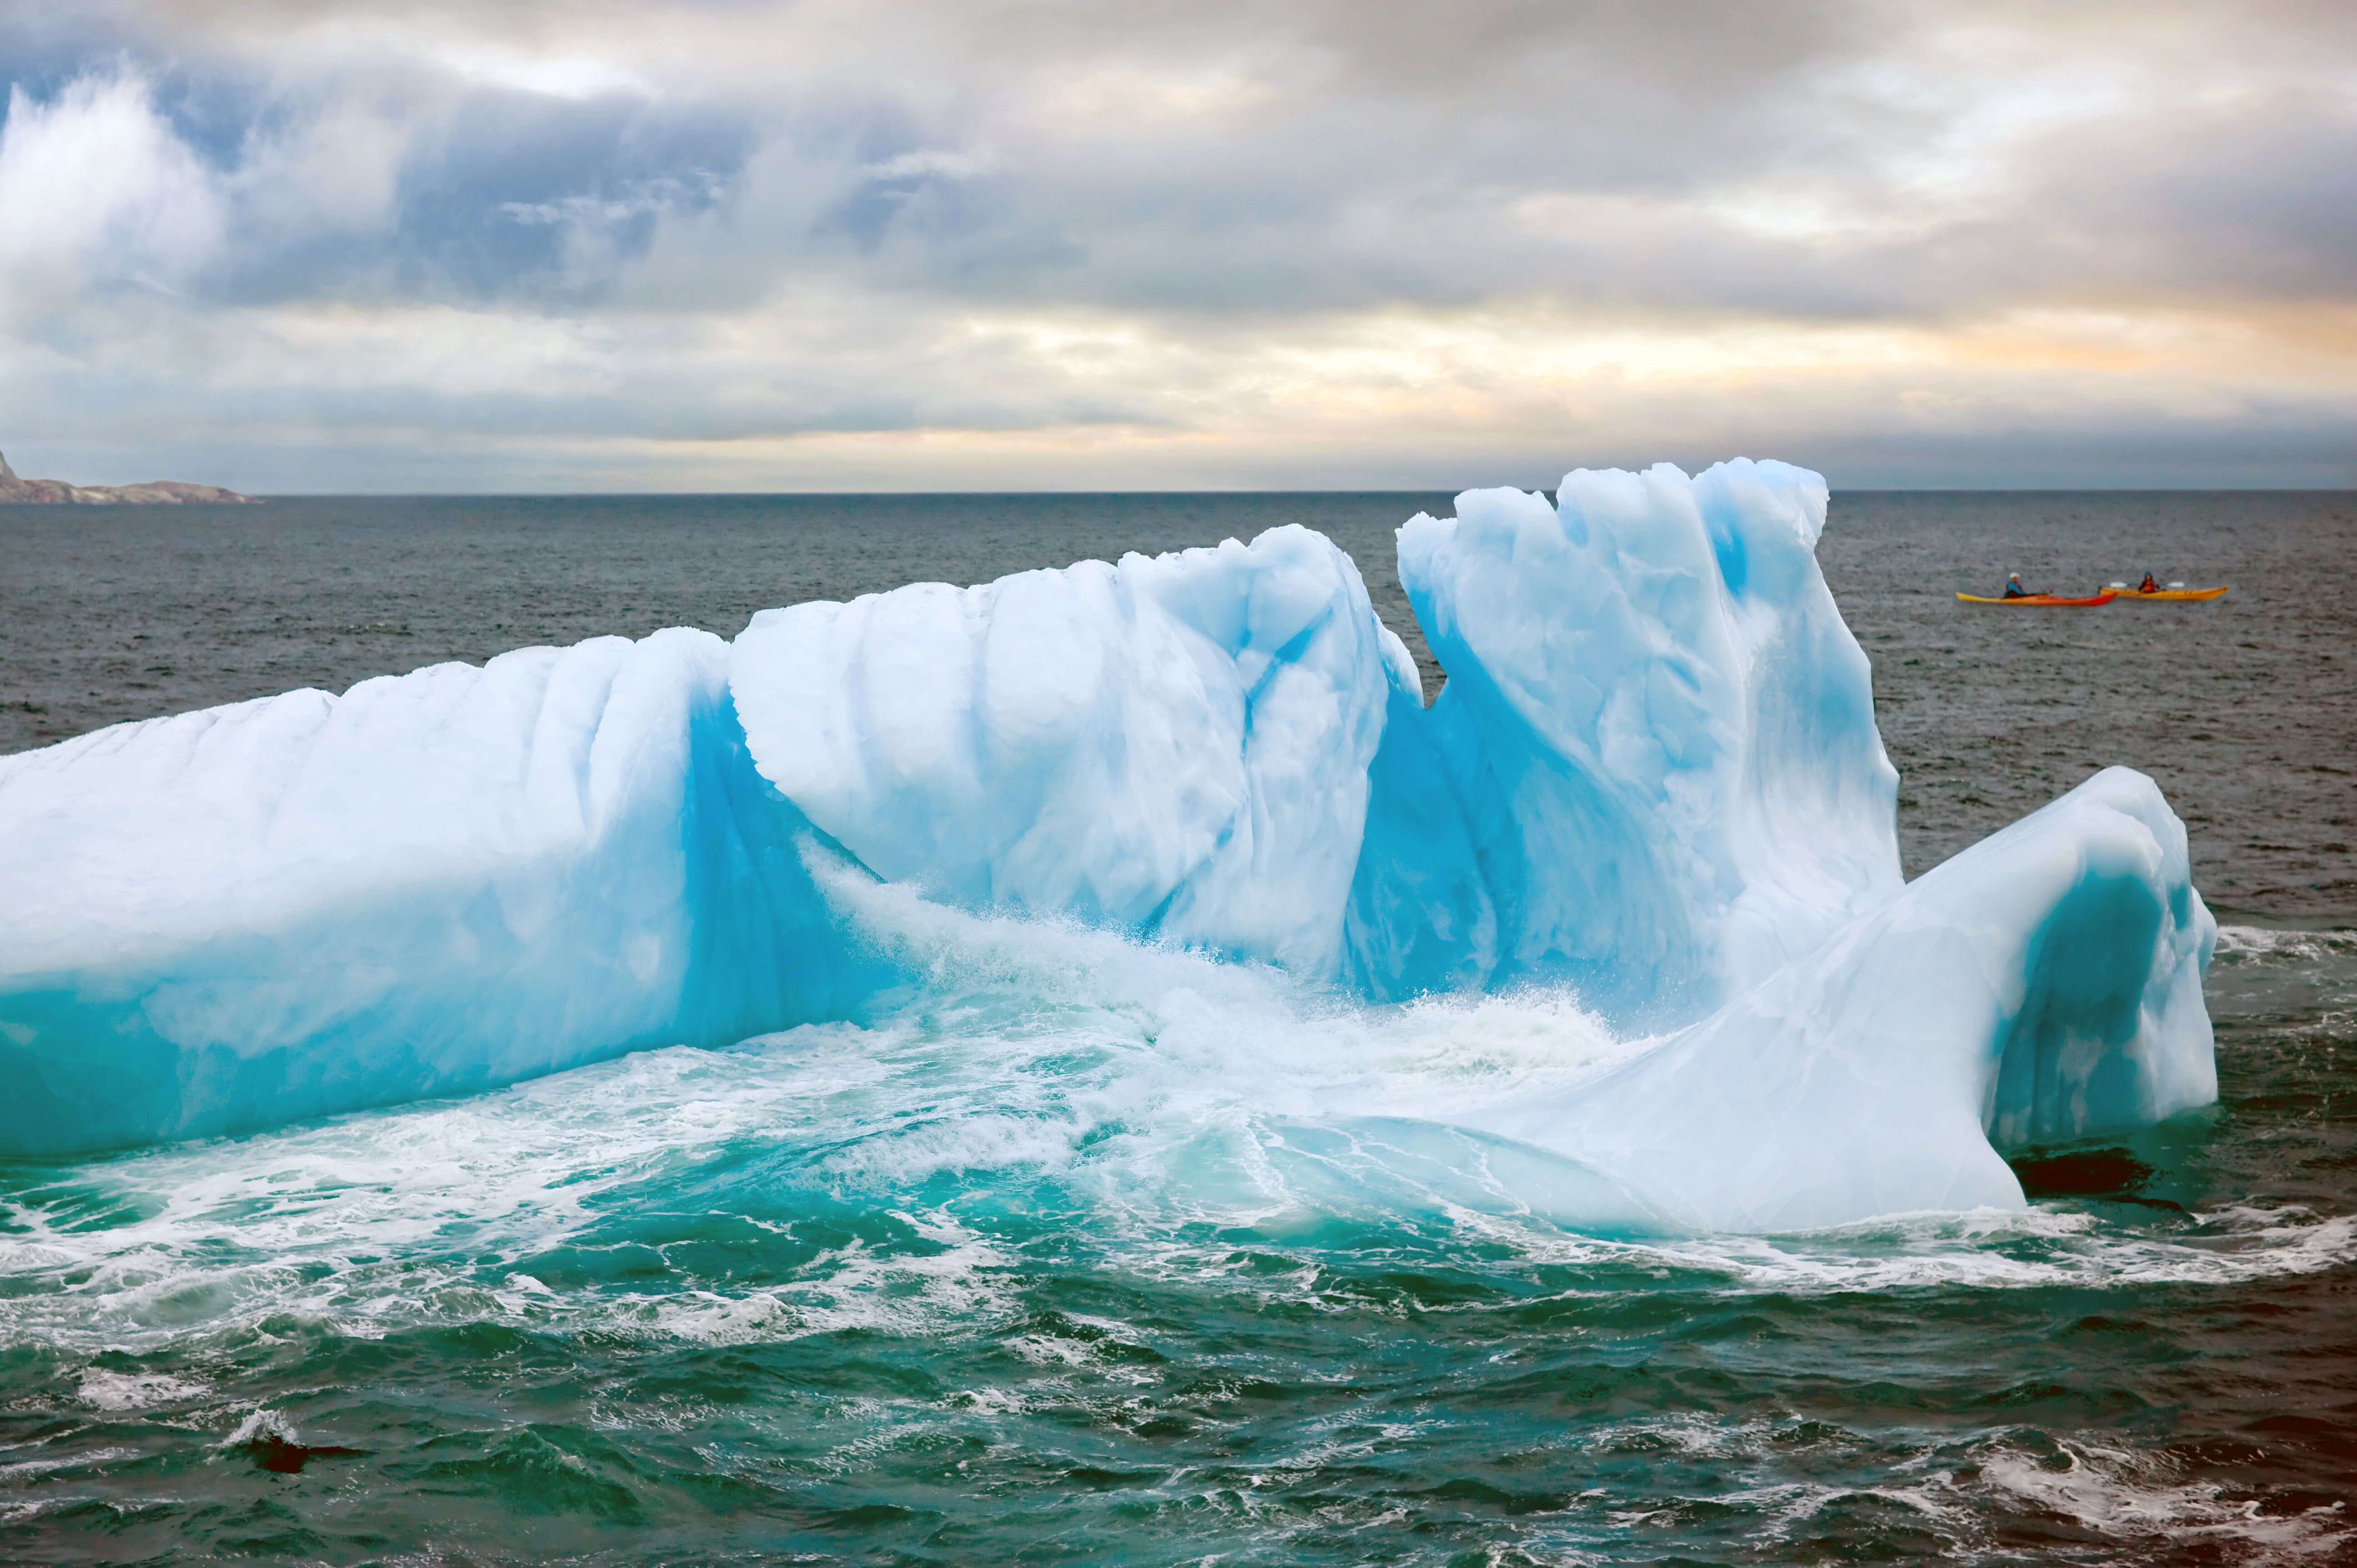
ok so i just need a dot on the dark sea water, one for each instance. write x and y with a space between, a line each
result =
1059 1266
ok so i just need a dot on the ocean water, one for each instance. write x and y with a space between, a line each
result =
1105 1253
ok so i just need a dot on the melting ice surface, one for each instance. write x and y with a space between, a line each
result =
1652 794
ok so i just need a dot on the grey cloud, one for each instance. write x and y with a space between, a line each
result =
1396 185
1383 154
858 196
2257 198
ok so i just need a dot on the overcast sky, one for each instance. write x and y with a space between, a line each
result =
844 245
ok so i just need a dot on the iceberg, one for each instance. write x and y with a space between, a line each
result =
2042 986
1652 781
430 884
1655 768
1176 747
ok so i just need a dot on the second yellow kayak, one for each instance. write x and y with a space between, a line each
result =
2181 595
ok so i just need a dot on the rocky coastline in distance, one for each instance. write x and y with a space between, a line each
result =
158 492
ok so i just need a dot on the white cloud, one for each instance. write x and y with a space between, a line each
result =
95 184
765 244
559 75
336 167
935 163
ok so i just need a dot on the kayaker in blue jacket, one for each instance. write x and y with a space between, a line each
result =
2013 588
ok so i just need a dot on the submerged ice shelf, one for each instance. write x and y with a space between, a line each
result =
1653 779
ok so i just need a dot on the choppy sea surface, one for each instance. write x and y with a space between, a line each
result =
1074 1261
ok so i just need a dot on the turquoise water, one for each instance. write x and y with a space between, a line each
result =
1092 1253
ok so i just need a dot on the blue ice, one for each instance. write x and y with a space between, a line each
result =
1652 781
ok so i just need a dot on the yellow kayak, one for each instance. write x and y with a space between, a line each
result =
2183 594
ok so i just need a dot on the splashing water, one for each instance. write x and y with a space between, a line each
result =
1090 1235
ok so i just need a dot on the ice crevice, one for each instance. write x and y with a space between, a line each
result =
1653 779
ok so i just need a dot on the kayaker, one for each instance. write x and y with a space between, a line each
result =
2013 588
2149 585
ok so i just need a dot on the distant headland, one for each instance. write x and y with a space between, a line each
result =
158 492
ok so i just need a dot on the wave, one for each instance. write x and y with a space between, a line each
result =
1166 1112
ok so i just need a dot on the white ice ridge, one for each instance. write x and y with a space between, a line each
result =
2043 985
1176 747
1654 772
433 883
1653 776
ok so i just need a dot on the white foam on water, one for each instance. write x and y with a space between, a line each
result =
52 1477
17 1472
259 1424
901 1295
2142 1498
1129 1090
123 1392
2137 1501
1795 1505
2248 944
1983 1250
